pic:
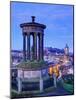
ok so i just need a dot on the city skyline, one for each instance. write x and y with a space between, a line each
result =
57 18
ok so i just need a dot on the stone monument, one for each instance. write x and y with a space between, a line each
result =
33 72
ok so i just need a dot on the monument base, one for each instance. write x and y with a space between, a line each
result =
32 77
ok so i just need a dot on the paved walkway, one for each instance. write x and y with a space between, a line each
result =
56 92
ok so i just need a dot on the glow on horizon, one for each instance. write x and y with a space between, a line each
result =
57 18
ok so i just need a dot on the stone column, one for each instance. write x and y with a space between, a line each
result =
38 46
28 46
24 46
35 46
41 83
19 85
41 46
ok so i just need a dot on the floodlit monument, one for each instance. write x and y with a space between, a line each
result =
33 71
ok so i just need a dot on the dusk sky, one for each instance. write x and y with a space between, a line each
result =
57 18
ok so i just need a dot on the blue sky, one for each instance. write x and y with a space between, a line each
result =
57 18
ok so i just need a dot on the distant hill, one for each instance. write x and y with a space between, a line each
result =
55 50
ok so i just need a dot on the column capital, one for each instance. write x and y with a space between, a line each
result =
24 33
28 33
40 34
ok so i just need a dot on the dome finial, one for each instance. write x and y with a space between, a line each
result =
33 18
66 46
